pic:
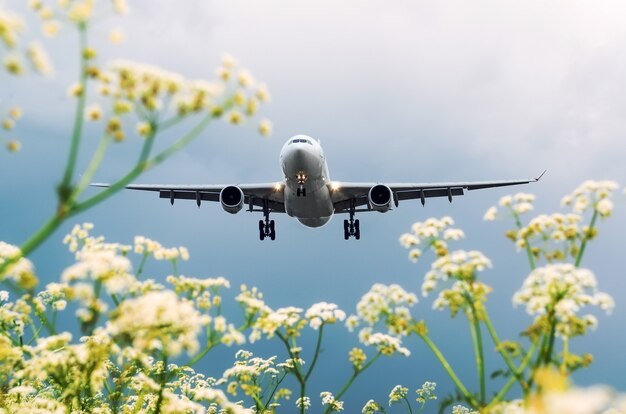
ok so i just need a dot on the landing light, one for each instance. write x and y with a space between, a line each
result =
335 186
278 186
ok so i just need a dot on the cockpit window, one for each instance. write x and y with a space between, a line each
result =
295 141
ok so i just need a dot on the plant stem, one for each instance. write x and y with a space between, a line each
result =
317 352
565 355
583 245
78 117
95 162
511 381
144 164
529 253
449 370
505 355
477 339
355 374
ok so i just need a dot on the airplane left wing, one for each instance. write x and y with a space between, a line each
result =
347 196
261 195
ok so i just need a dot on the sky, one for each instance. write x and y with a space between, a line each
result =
403 91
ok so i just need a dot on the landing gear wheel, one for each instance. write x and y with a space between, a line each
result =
261 230
272 230
346 232
357 229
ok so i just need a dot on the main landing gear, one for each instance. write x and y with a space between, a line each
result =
351 227
266 226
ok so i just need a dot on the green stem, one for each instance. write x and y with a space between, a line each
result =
478 350
95 162
505 355
583 245
565 355
144 258
144 164
317 352
78 116
354 376
408 404
449 370
511 381
529 253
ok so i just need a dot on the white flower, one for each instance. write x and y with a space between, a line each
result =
159 320
397 393
567 290
324 313
303 402
329 399
387 344
491 214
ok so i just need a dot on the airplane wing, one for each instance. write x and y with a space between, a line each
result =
262 195
347 196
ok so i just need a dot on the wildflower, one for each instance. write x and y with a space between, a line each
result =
22 271
39 58
15 113
13 145
120 6
116 36
459 409
591 194
357 357
387 344
560 291
80 11
262 94
303 402
426 392
371 407
397 393
491 214
13 65
265 127
329 399
235 117
324 313
158 320
143 129
460 265
75 90
51 28
8 124
93 112
10 27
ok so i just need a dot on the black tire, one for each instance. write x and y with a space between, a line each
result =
304 192
261 226
357 229
273 235
272 226
261 235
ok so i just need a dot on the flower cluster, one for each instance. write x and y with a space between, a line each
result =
559 292
205 292
562 231
269 322
324 313
592 195
253 375
329 399
385 344
459 265
389 304
432 233
398 393
518 204
21 271
158 321
154 93
148 247
8 123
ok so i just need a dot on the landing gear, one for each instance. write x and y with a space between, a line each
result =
267 227
301 192
351 227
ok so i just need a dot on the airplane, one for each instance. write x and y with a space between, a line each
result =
308 194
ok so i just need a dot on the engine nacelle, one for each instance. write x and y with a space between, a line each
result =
231 199
380 198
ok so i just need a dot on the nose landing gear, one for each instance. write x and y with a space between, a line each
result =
301 178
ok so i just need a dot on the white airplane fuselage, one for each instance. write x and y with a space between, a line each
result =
307 189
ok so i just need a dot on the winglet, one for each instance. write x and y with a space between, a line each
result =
99 185
540 175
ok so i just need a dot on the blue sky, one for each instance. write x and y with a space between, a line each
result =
409 91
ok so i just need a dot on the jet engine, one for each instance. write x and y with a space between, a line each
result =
231 199
380 198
